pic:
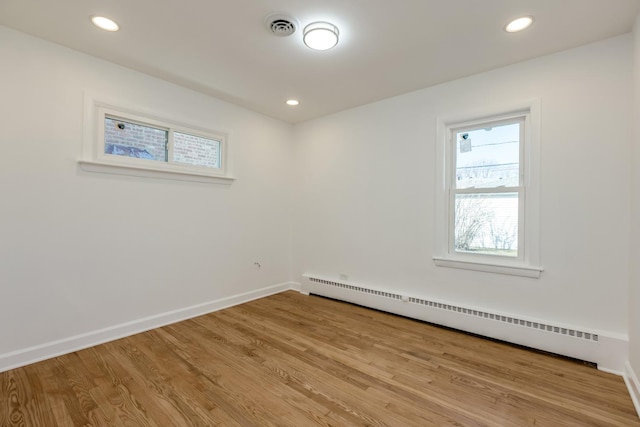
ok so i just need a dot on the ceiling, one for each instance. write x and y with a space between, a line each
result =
223 48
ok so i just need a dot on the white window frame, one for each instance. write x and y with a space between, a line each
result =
94 159
527 263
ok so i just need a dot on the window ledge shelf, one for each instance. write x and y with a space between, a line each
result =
512 270
146 172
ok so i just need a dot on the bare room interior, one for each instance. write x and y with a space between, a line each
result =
284 213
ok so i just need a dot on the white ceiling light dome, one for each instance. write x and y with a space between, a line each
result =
320 35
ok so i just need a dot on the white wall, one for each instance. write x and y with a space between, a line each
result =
365 190
633 369
82 251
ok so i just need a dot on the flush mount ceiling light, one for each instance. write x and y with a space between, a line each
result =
519 24
293 102
104 23
320 35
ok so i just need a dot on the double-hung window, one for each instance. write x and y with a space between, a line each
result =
487 217
135 144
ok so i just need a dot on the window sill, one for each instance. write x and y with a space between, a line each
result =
147 172
512 270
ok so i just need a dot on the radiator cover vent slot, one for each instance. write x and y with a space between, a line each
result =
463 310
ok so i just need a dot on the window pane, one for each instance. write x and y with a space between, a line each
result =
488 158
196 150
127 139
487 223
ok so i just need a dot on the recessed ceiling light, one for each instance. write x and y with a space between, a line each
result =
320 35
293 102
104 23
519 24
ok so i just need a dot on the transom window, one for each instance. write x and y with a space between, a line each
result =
136 144
129 139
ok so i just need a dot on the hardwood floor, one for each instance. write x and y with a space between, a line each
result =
295 360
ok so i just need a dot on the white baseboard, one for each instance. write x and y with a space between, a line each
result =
631 379
23 357
295 286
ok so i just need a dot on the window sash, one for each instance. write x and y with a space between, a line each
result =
453 191
181 139
168 164
129 121
520 249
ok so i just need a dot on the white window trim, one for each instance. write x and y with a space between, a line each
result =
526 265
93 158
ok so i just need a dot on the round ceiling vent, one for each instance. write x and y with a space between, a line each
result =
281 25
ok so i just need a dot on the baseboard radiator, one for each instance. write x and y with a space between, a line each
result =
608 351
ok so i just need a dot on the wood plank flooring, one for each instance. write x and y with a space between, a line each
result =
295 360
